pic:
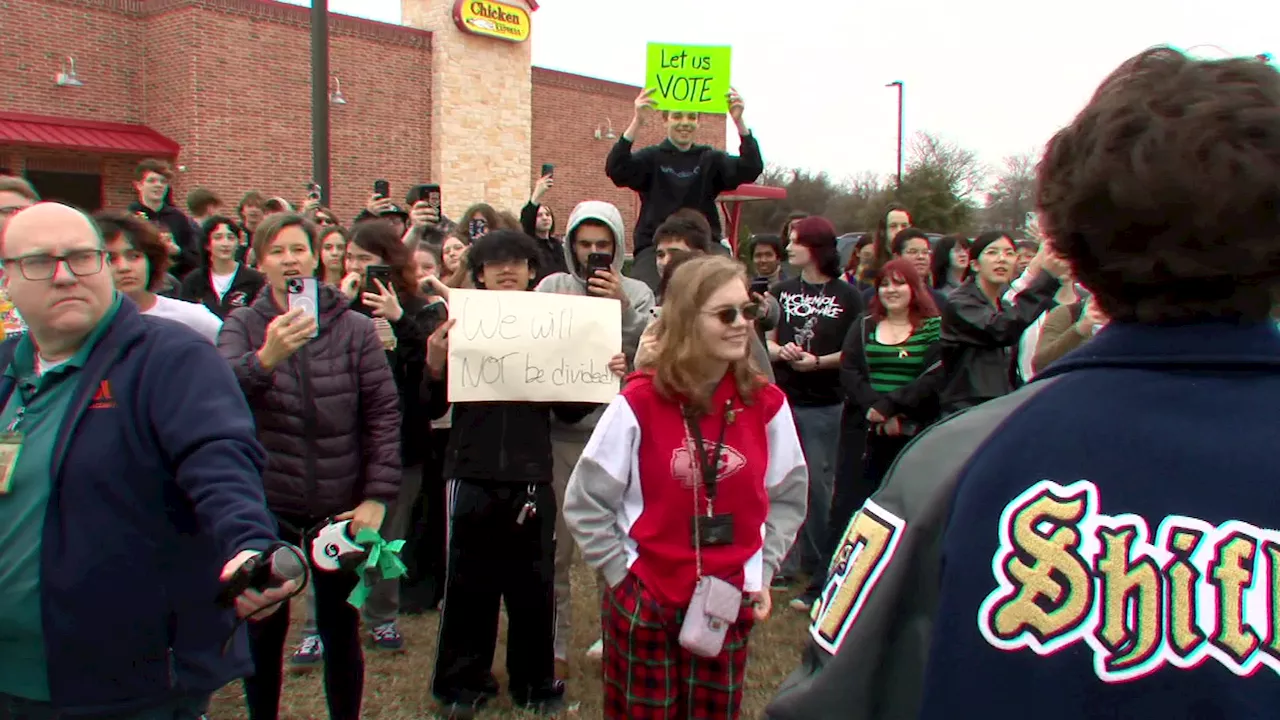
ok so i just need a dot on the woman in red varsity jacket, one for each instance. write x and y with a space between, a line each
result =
694 472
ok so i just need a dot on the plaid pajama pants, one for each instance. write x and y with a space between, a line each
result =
648 676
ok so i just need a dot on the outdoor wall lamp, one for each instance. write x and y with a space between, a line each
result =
336 97
66 76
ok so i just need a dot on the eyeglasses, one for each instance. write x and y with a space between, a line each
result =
729 315
44 267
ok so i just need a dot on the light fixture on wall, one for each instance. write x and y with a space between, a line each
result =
66 76
336 97
608 134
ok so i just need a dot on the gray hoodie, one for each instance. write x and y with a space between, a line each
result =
636 314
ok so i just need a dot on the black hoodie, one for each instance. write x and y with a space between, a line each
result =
669 179
176 222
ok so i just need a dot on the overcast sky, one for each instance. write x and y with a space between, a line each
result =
997 76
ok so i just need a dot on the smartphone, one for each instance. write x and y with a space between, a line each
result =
381 273
304 292
428 193
313 191
598 261
382 188
439 311
548 169
759 286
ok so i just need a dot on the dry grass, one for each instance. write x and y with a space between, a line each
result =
397 685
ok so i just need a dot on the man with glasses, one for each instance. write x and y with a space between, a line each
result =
124 490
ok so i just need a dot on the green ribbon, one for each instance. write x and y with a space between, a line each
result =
382 563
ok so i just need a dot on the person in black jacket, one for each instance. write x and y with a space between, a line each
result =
151 181
677 174
980 327
539 222
405 320
221 282
502 519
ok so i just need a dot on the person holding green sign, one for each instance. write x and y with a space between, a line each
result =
676 173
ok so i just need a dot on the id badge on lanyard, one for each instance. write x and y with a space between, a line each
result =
10 449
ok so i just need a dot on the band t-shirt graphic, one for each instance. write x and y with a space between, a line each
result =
815 317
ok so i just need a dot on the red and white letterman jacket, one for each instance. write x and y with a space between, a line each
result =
630 499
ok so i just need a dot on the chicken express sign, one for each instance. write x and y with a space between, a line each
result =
492 19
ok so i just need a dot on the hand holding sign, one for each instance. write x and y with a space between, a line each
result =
736 106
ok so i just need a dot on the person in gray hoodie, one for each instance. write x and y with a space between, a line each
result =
595 227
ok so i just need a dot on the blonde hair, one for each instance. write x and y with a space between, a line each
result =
679 369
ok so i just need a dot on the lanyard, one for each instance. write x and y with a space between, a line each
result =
708 464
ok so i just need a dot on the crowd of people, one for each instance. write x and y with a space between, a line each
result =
848 426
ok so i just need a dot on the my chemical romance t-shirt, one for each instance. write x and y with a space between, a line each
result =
815 317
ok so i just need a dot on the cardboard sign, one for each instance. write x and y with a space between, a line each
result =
689 78
532 346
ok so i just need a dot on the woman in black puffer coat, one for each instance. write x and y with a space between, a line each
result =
327 411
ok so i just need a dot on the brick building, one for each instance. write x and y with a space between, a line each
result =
222 88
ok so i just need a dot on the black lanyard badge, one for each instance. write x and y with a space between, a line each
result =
709 529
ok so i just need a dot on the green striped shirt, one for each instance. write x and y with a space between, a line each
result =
893 366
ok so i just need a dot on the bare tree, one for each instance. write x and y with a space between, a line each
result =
1012 195
958 167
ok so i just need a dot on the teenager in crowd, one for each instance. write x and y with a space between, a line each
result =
502 519
1068 293
912 245
15 194
766 258
202 204
539 222
453 254
221 283
1027 249
595 227
404 322
138 259
950 265
151 183
858 271
632 509
333 255
327 412
1118 569
252 209
677 174
981 325
818 308
893 220
136 488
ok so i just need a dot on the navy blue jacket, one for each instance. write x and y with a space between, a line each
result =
1102 543
157 482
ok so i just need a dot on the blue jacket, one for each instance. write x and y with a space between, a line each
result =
156 484
1103 543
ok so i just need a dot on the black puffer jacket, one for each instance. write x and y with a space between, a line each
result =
328 416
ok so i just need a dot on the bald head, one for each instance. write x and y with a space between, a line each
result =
44 220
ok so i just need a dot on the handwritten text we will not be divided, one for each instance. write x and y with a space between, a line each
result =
528 346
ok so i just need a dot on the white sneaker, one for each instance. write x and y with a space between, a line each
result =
596 651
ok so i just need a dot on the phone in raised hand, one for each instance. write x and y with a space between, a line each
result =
304 293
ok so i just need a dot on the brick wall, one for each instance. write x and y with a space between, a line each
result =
567 110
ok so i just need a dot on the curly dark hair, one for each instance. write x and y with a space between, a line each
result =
499 246
141 235
1163 192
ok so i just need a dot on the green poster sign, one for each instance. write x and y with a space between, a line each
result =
689 78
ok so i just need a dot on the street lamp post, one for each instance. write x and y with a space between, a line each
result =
898 84
320 97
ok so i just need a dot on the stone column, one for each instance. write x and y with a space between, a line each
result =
481 111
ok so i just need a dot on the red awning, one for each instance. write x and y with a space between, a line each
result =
84 135
731 206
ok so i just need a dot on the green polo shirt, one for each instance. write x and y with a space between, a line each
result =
23 667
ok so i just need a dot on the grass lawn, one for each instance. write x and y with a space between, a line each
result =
397 685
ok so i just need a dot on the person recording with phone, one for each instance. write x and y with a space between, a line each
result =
127 496
380 206
539 222
324 398
387 290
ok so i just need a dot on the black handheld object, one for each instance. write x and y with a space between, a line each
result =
427 192
759 286
382 188
598 261
381 273
273 568
548 169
